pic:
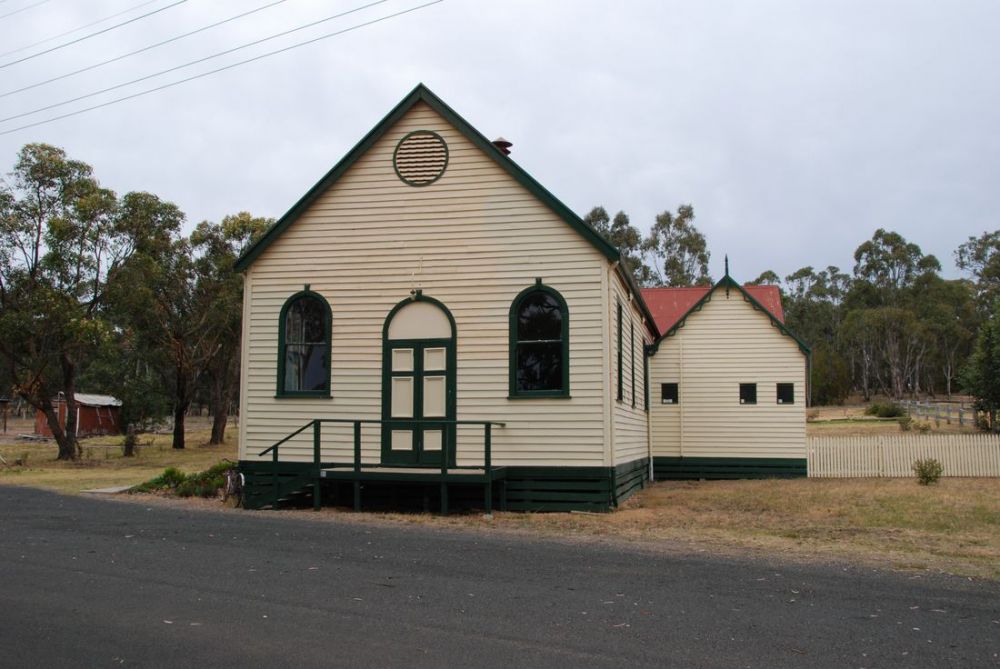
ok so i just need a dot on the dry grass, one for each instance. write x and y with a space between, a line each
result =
851 421
102 464
952 527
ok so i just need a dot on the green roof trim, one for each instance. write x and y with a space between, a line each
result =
423 94
728 282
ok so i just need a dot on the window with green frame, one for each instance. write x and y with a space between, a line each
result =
539 344
304 346
621 387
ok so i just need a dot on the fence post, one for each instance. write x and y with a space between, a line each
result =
274 478
317 457
488 472
357 465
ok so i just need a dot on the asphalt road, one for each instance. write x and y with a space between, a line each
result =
93 583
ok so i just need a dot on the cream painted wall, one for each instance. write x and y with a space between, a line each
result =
630 417
473 240
719 347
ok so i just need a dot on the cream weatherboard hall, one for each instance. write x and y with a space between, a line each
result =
429 322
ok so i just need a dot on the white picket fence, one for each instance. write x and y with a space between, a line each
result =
863 457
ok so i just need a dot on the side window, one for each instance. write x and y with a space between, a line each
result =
631 346
539 344
645 378
304 346
786 393
621 382
748 393
669 393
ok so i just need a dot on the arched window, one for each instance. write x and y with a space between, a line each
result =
304 346
539 344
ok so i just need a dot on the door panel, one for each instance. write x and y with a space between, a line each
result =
432 442
402 397
435 359
402 440
435 397
402 359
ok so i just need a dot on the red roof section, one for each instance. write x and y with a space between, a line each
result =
668 305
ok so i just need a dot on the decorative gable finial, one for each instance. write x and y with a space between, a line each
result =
727 264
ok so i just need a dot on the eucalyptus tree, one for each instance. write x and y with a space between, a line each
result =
678 250
218 295
980 257
625 237
63 239
981 374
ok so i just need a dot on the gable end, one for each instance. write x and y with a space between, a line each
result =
424 94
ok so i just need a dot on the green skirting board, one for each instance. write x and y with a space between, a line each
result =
527 488
677 468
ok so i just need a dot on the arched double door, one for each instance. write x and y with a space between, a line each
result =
418 383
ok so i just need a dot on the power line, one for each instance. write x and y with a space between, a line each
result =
193 62
138 51
23 9
94 34
77 29
222 69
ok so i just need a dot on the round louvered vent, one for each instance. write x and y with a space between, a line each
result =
420 158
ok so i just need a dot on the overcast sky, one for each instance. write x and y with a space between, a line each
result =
795 128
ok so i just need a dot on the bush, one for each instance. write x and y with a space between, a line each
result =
928 470
885 410
905 423
923 427
203 484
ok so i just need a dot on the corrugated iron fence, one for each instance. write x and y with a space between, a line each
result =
863 457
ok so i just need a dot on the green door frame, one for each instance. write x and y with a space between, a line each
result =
417 455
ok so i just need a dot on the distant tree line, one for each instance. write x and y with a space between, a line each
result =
102 293
892 326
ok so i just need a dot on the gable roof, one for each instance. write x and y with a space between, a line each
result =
669 305
423 94
672 306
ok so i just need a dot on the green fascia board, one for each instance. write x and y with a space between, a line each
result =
423 94
633 287
730 283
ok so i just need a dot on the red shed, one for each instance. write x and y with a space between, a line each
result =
95 414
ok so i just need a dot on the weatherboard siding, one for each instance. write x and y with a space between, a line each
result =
473 240
719 347
630 430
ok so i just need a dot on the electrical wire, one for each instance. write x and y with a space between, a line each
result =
221 69
138 51
193 62
23 9
78 29
94 34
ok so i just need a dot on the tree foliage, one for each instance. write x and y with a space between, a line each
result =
981 374
678 249
980 257
63 240
674 253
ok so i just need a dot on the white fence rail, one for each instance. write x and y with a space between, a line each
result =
863 457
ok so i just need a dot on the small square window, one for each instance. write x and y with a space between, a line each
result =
786 393
669 393
748 393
